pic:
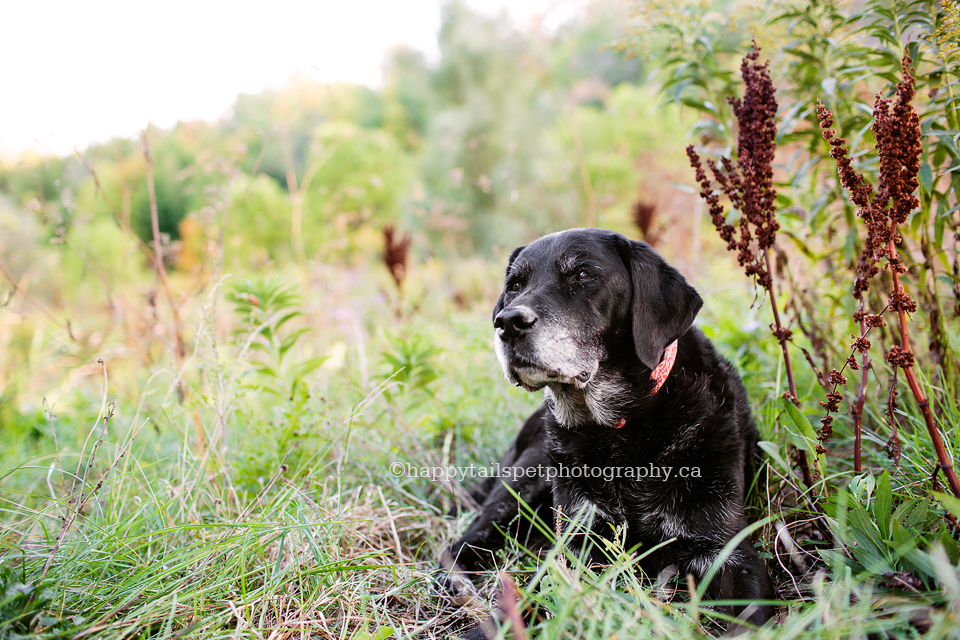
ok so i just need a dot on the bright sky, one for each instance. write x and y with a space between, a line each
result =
74 72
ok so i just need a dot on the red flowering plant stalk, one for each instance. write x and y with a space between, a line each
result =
748 185
899 147
395 252
874 217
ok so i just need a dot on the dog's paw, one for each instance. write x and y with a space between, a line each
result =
451 586
442 585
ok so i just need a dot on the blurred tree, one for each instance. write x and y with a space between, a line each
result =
34 177
511 133
258 219
171 199
623 155
408 96
493 105
355 177
584 53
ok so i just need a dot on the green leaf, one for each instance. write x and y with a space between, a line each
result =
919 514
899 536
806 436
382 633
862 487
867 546
926 178
309 365
835 558
267 370
773 451
291 340
290 315
904 509
883 503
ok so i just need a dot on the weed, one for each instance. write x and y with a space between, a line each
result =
264 307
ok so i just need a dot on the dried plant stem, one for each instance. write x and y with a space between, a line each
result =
84 499
509 600
943 458
296 198
893 446
26 296
122 219
858 406
158 252
179 349
781 337
65 326
791 383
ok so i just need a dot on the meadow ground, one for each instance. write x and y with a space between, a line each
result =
255 493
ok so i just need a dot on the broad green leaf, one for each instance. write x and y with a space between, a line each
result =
919 514
903 511
882 504
308 366
926 178
867 546
773 451
808 435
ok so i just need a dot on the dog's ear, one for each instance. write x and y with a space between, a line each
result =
663 304
513 256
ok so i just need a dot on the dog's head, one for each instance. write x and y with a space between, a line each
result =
577 299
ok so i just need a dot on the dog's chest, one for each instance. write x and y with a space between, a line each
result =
626 485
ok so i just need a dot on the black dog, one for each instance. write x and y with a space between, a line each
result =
604 326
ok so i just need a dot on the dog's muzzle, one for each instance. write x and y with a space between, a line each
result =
533 355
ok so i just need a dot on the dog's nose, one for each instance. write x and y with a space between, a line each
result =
514 322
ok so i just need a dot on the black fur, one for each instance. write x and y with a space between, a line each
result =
586 315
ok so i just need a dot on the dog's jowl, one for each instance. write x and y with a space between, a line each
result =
643 424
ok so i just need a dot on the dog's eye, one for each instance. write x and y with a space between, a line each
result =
514 287
582 274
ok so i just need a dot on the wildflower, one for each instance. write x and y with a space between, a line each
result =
826 430
748 183
900 357
837 378
833 402
395 254
860 343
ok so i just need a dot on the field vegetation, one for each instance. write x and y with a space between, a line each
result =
228 349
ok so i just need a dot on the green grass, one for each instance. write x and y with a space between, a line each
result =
242 511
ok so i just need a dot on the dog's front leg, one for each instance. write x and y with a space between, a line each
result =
525 472
741 577
529 479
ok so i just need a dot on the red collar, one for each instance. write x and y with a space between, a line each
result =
659 374
663 369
